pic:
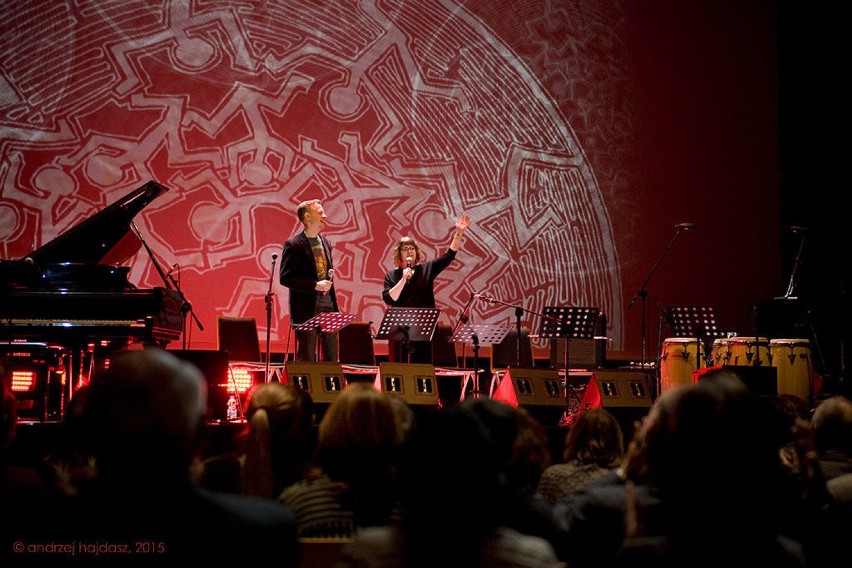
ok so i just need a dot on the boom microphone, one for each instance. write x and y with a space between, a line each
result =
684 226
483 297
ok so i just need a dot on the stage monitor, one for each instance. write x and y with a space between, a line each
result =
323 381
413 382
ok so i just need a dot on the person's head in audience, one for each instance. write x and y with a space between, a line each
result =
406 418
712 458
653 425
832 425
595 437
452 486
521 441
145 416
789 408
719 455
360 423
281 439
360 437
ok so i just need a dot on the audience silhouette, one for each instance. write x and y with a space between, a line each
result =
453 496
712 474
144 421
716 470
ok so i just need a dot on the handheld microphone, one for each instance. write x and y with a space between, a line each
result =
684 226
410 261
330 277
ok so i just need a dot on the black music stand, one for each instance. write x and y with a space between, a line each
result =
694 321
569 323
407 325
480 334
325 322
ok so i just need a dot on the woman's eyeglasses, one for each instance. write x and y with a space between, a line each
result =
408 248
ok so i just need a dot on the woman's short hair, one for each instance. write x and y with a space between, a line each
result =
398 258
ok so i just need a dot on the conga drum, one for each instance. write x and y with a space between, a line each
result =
792 361
721 351
680 356
748 351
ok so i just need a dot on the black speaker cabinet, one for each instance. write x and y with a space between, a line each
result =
618 388
537 387
540 392
412 382
582 353
323 381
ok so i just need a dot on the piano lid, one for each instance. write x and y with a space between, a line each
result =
95 240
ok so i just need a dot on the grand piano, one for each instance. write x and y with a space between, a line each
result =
72 294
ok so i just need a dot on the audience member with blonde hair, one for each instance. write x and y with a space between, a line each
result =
281 439
360 435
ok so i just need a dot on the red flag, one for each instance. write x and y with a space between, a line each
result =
592 397
505 391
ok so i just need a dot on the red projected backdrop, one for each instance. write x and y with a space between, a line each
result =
558 129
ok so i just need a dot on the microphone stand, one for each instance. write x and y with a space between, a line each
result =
171 284
643 293
791 286
463 319
268 300
519 311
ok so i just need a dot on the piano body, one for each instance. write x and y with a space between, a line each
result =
72 297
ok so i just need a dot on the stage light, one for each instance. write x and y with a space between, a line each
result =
243 378
37 377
